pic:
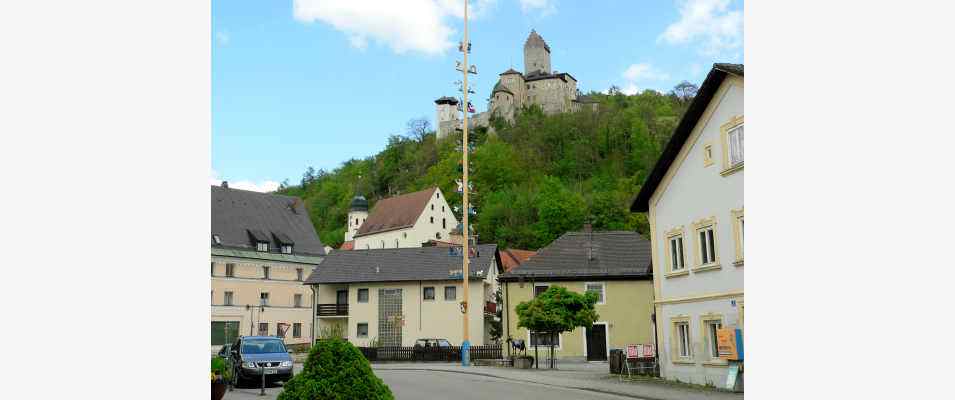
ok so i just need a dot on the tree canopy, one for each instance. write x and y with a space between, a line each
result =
557 310
533 179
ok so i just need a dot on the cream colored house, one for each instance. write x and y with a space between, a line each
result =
694 198
263 247
396 296
614 264
401 221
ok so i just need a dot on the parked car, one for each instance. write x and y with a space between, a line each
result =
252 356
432 349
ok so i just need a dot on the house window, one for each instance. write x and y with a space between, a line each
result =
362 330
265 272
396 243
230 270
262 246
738 234
710 327
299 273
356 221
382 244
444 223
544 339
677 259
442 208
437 195
227 298
707 155
450 292
362 295
707 245
263 328
287 249
681 337
432 207
297 330
216 239
297 300
437 235
596 287
432 220
735 138
264 298
429 293
213 272
538 289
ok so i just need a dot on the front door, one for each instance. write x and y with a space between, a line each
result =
597 342
341 299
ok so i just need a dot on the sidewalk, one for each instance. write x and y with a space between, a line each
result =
586 376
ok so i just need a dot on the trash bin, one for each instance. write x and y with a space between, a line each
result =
616 361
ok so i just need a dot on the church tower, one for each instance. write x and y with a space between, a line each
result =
447 116
536 55
357 213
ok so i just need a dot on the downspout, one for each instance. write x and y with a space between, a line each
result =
314 313
507 316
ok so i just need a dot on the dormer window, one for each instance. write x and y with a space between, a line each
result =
216 239
262 246
287 249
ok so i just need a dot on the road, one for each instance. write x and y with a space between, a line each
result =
416 385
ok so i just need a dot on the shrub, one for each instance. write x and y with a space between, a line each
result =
335 369
221 368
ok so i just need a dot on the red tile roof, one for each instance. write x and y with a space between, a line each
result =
396 212
512 258
349 245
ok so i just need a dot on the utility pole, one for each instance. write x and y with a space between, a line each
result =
465 48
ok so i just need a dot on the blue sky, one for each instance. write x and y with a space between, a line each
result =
301 83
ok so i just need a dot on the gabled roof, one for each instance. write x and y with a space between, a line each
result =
349 245
402 265
512 258
510 71
240 218
707 90
396 212
586 255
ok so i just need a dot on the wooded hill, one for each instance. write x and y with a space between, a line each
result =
534 179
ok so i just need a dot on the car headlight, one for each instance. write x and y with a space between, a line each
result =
249 364
286 364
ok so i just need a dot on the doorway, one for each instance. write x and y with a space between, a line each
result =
596 336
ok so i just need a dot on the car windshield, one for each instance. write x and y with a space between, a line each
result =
260 346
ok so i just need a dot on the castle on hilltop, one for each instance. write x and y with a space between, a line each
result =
555 92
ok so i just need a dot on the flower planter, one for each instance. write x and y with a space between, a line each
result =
218 390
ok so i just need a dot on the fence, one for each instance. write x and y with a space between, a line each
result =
414 354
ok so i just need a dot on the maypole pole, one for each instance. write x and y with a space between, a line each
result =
465 48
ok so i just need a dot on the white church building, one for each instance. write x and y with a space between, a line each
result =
407 220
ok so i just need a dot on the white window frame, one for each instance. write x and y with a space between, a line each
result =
262 246
677 252
709 244
727 131
603 291
455 287
230 270
264 300
606 325
709 337
734 139
266 272
681 343
358 295
286 249
228 298
358 333
434 293
297 299
299 334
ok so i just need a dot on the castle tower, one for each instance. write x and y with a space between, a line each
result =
357 213
447 116
536 54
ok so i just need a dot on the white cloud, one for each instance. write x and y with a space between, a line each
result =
544 6
710 22
222 38
641 73
409 25
263 186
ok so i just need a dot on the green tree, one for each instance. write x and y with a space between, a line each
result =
559 210
557 310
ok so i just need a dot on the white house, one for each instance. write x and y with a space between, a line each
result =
402 221
694 198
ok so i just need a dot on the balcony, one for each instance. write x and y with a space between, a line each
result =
333 310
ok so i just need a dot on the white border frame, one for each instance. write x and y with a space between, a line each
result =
603 284
606 325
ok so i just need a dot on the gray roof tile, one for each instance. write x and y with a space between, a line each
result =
236 214
397 265
613 254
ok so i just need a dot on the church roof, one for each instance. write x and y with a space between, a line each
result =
500 88
535 40
510 71
396 212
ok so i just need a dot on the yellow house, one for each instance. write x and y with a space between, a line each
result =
393 297
615 264
263 247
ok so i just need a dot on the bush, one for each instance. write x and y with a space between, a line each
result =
220 367
335 369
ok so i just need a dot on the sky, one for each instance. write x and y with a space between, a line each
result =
299 83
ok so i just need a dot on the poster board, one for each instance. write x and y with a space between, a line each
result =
726 344
639 351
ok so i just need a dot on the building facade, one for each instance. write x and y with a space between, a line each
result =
393 297
263 247
616 265
694 198
401 221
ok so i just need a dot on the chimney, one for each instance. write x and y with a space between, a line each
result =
225 184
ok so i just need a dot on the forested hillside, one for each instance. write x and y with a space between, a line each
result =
534 180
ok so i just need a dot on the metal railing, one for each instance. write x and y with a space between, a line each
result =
332 310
